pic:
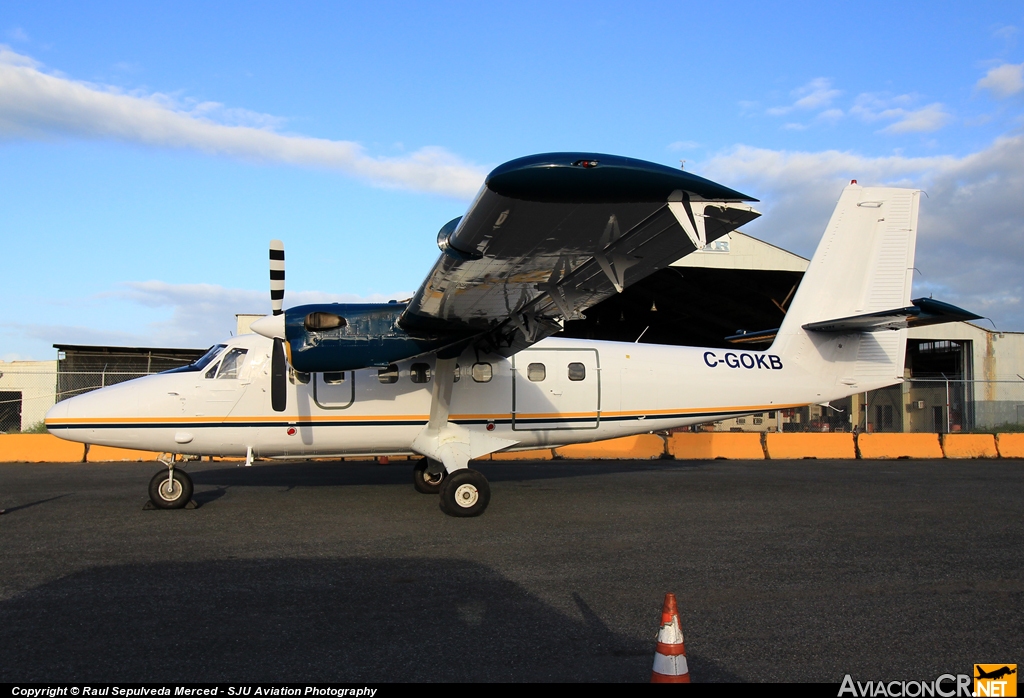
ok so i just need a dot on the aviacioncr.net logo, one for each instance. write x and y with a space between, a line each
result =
945 686
995 680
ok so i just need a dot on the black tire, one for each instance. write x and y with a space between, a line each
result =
465 493
424 482
178 497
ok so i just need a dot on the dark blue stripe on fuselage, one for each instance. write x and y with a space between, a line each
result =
390 423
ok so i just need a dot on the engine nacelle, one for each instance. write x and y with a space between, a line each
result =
349 336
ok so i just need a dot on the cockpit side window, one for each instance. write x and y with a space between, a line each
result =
202 362
231 363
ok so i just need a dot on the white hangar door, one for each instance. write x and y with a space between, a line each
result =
556 389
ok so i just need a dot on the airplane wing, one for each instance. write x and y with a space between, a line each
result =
551 235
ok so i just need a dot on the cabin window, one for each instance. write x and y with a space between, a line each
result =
482 372
419 373
335 378
231 363
389 374
213 371
536 372
298 377
458 373
577 371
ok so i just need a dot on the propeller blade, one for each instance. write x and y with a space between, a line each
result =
278 360
277 276
278 377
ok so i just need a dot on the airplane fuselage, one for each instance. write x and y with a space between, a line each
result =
559 391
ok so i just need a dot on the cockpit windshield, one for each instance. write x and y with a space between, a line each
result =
203 361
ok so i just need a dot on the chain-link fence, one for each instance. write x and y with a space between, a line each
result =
937 405
932 405
26 395
922 405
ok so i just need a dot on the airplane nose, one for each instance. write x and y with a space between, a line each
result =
58 411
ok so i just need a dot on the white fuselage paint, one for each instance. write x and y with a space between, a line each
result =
626 389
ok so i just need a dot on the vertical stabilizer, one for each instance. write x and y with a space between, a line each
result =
863 264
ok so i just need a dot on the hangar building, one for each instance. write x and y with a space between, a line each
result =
960 376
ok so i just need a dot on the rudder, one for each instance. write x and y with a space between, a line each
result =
863 264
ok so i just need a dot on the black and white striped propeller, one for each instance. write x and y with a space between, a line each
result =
273 327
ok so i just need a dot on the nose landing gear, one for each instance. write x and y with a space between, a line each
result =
170 488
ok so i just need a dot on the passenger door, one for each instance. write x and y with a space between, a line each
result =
556 389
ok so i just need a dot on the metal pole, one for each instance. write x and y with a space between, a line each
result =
949 416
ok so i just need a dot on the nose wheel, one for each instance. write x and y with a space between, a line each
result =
465 493
170 489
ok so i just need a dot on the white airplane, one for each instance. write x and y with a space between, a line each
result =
467 367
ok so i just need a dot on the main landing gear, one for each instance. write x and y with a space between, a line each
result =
428 476
463 493
170 488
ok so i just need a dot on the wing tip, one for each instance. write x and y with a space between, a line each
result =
580 177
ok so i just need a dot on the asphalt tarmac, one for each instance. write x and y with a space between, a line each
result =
784 571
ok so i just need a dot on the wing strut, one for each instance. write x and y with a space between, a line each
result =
452 444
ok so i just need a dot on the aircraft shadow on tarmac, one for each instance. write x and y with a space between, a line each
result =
326 474
334 620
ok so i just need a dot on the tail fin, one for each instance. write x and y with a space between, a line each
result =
863 264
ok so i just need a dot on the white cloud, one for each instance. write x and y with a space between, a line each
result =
1004 80
683 145
924 120
1007 33
816 94
971 234
871 107
35 104
199 314
9 57
832 115
204 313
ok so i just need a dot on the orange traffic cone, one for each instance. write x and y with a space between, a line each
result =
670 656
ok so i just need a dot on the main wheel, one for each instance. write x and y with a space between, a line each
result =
167 493
465 493
424 481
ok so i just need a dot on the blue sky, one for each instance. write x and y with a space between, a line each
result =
149 151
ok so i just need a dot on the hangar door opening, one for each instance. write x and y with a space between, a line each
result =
556 389
10 411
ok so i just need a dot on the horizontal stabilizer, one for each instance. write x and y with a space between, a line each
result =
924 311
